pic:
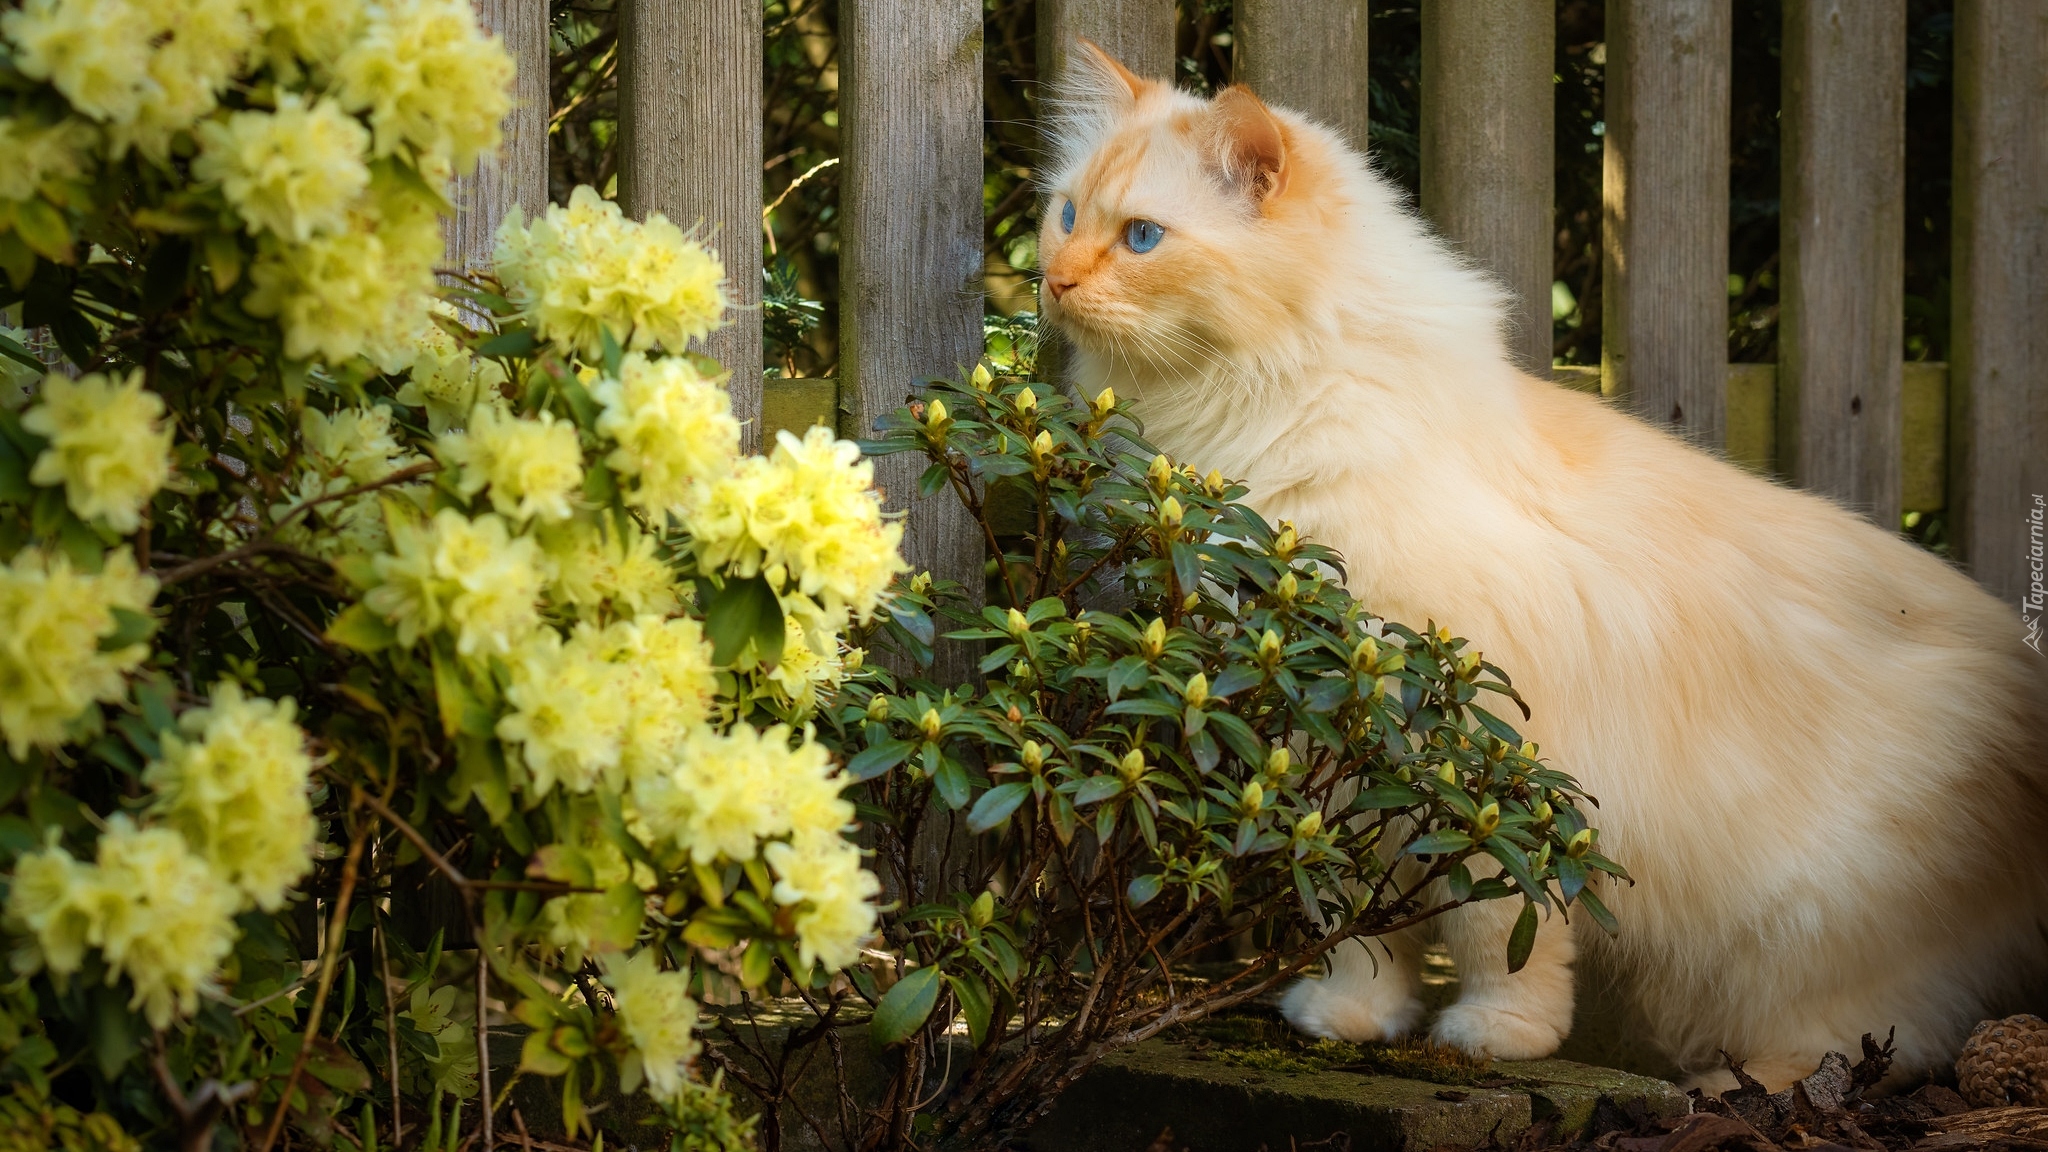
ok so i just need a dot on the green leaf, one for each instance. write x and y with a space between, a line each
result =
1239 736
744 610
1143 889
757 964
1187 566
1440 842
129 628
1460 882
116 1032
932 479
223 260
975 1004
513 342
461 712
17 353
43 229
906 1006
1571 876
876 759
612 356
996 805
1386 796
1127 674
362 630
1601 916
1523 938
953 785
1516 863
1096 789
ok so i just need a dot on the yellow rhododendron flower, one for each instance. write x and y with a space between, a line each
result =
109 445
568 710
156 911
669 682
533 466
597 570
37 155
472 577
803 673
584 923
725 792
146 68
441 375
295 171
357 291
819 873
811 509
430 78
316 31
579 271
675 431
53 620
233 780
658 1016
341 452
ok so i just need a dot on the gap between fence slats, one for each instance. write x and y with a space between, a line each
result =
1308 55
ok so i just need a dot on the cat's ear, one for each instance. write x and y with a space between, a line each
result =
1099 74
1249 144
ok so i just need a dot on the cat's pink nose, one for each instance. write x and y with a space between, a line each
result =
1058 283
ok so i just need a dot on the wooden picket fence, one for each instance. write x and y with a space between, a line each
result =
1839 413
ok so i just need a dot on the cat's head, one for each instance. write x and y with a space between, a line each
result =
1179 230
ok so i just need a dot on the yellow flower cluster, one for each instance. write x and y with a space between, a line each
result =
295 172
737 793
579 271
808 516
356 291
109 446
473 577
340 453
441 375
658 1016
53 621
675 431
315 31
234 784
39 155
624 697
533 466
155 910
599 571
431 80
148 69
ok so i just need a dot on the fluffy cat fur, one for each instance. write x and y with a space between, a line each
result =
1821 751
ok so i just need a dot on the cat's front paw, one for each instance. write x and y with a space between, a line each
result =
1488 1030
1325 1008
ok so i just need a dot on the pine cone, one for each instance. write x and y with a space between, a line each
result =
2005 1062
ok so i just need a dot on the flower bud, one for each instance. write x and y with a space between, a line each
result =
1214 483
1197 692
1487 822
1027 400
1015 715
935 415
1155 636
1032 755
1278 761
931 723
1103 402
1541 812
1468 664
982 910
878 707
1529 750
1308 825
1365 655
1170 512
1384 685
855 659
1287 588
1541 859
1443 635
1580 843
1254 797
1041 444
1448 773
1269 647
1188 602
777 576
1285 544
921 583
981 377
1132 765
1017 623
1159 473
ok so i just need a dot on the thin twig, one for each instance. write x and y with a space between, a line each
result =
337 929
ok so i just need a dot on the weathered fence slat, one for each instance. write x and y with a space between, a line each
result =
1308 55
1488 170
690 148
1998 374
1664 224
518 175
910 243
1842 236
1137 32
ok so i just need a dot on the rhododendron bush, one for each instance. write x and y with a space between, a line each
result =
326 586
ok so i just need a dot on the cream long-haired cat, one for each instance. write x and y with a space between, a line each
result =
1822 752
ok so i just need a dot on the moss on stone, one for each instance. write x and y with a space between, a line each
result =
1261 1041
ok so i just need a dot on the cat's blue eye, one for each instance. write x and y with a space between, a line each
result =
1143 235
1067 217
